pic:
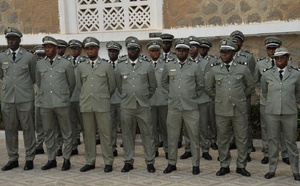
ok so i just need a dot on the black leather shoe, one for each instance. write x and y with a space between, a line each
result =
121 145
28 165
223 171
243 172
179 145
150 168
196 170
248 158
269 175
10 165
186 155
253 148
286 160
167 155
66 165
214 146
78 141
232 146
115 153
161 144
206 156
297 176
108 168
98 142
74 152
50 164
39 151
59 152
265 160
127 167
170 168
87 168
156 154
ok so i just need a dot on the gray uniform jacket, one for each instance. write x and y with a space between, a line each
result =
136 84
56 82
244 56
229 88
18 76
184 85
96 86
159 97
283 96
116 97
76 92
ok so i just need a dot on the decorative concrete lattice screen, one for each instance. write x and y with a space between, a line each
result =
114 15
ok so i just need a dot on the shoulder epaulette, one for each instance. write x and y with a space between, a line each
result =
215 64
248 52
241 63
261 59
2 51
266 69
295 68
244 55
144 58
123 58
104 59
170 60
82 59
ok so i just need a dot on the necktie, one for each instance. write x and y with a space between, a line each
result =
280 74
93 64
113 64
155 63
181 65
74 60
14 56
273 63
51 62
133 64
166 57
227 66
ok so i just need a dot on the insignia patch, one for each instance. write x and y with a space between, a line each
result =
5 63
270 83
124 77
173 70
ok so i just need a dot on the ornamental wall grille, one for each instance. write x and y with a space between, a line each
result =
115 15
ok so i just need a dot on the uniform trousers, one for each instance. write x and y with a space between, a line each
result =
131 117
13 114
239 125
115 113
287 124
54 118
76 121
175 121
102 121
39 130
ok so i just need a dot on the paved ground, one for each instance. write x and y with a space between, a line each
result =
139 176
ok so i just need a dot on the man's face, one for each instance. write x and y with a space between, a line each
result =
61 50
182 53
203 51
154 54
133 53
282 61
194 51
271 51
113 54
239 43
76 51
166 45
227 55
13 42
50 50
92 52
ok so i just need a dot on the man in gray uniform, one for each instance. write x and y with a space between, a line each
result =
75 114
230 83
96 82
137 83
167 42
184 81
203 102
56 82
17 73
113 49
263 64
205 46
244 57
159 100
281 90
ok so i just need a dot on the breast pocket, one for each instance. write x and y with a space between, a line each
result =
238 79
42 72
218 80
60 73
101 75
172 75
143 76
5 68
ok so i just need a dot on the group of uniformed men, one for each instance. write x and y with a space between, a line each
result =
206 98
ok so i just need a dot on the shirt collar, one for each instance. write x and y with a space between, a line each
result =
16 51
